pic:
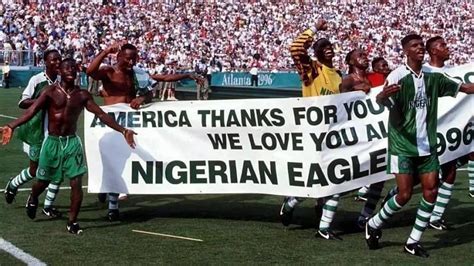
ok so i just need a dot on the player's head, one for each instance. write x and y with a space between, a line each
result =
128 56
437 47
323 50
52 59
68 69
413 47
357 58
380 65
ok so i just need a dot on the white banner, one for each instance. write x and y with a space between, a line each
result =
307 147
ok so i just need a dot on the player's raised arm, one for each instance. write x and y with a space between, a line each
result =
299 47
92 107
100 73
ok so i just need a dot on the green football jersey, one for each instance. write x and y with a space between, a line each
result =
413 117
32 132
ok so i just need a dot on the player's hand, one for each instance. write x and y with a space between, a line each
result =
128 134
136 103
321 25
7 133
115 47
362 87
387 91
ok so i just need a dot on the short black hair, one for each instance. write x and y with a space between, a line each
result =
319 46
376 60
431 41
67 60
128 46
410 37
48 52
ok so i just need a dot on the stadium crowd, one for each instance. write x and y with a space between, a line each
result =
229 34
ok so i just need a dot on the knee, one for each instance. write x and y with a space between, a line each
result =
430 194
403 197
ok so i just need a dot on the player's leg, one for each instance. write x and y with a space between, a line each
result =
287 208
329 211
372 197
76 201
428 168
362 193
51 194
25 175
113 214
448 176
32 202
403 169
74 168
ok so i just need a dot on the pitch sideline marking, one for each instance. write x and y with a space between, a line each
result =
165 235
19 254
28 189
7 116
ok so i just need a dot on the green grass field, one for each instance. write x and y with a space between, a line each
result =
235 229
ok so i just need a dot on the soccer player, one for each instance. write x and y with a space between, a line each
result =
119 86
32 133
122 84
62 154
376 78
439 54
357 79
318 78
412 98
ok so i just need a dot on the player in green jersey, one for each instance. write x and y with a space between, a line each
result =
412 98
32 133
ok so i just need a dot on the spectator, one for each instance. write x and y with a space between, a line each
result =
6 74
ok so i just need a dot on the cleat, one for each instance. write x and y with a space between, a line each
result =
31 206
471 194
286 215
416 249
372 236
113 215
102 197
439 225
361 221
328 234
52 212
360 198
74 228
10 193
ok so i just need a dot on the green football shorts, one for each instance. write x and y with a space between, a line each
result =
61 157
34 152
399 164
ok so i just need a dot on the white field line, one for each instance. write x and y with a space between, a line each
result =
170 236
19 254
29 189
7 116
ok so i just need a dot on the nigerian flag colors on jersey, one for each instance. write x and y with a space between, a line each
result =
413 114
